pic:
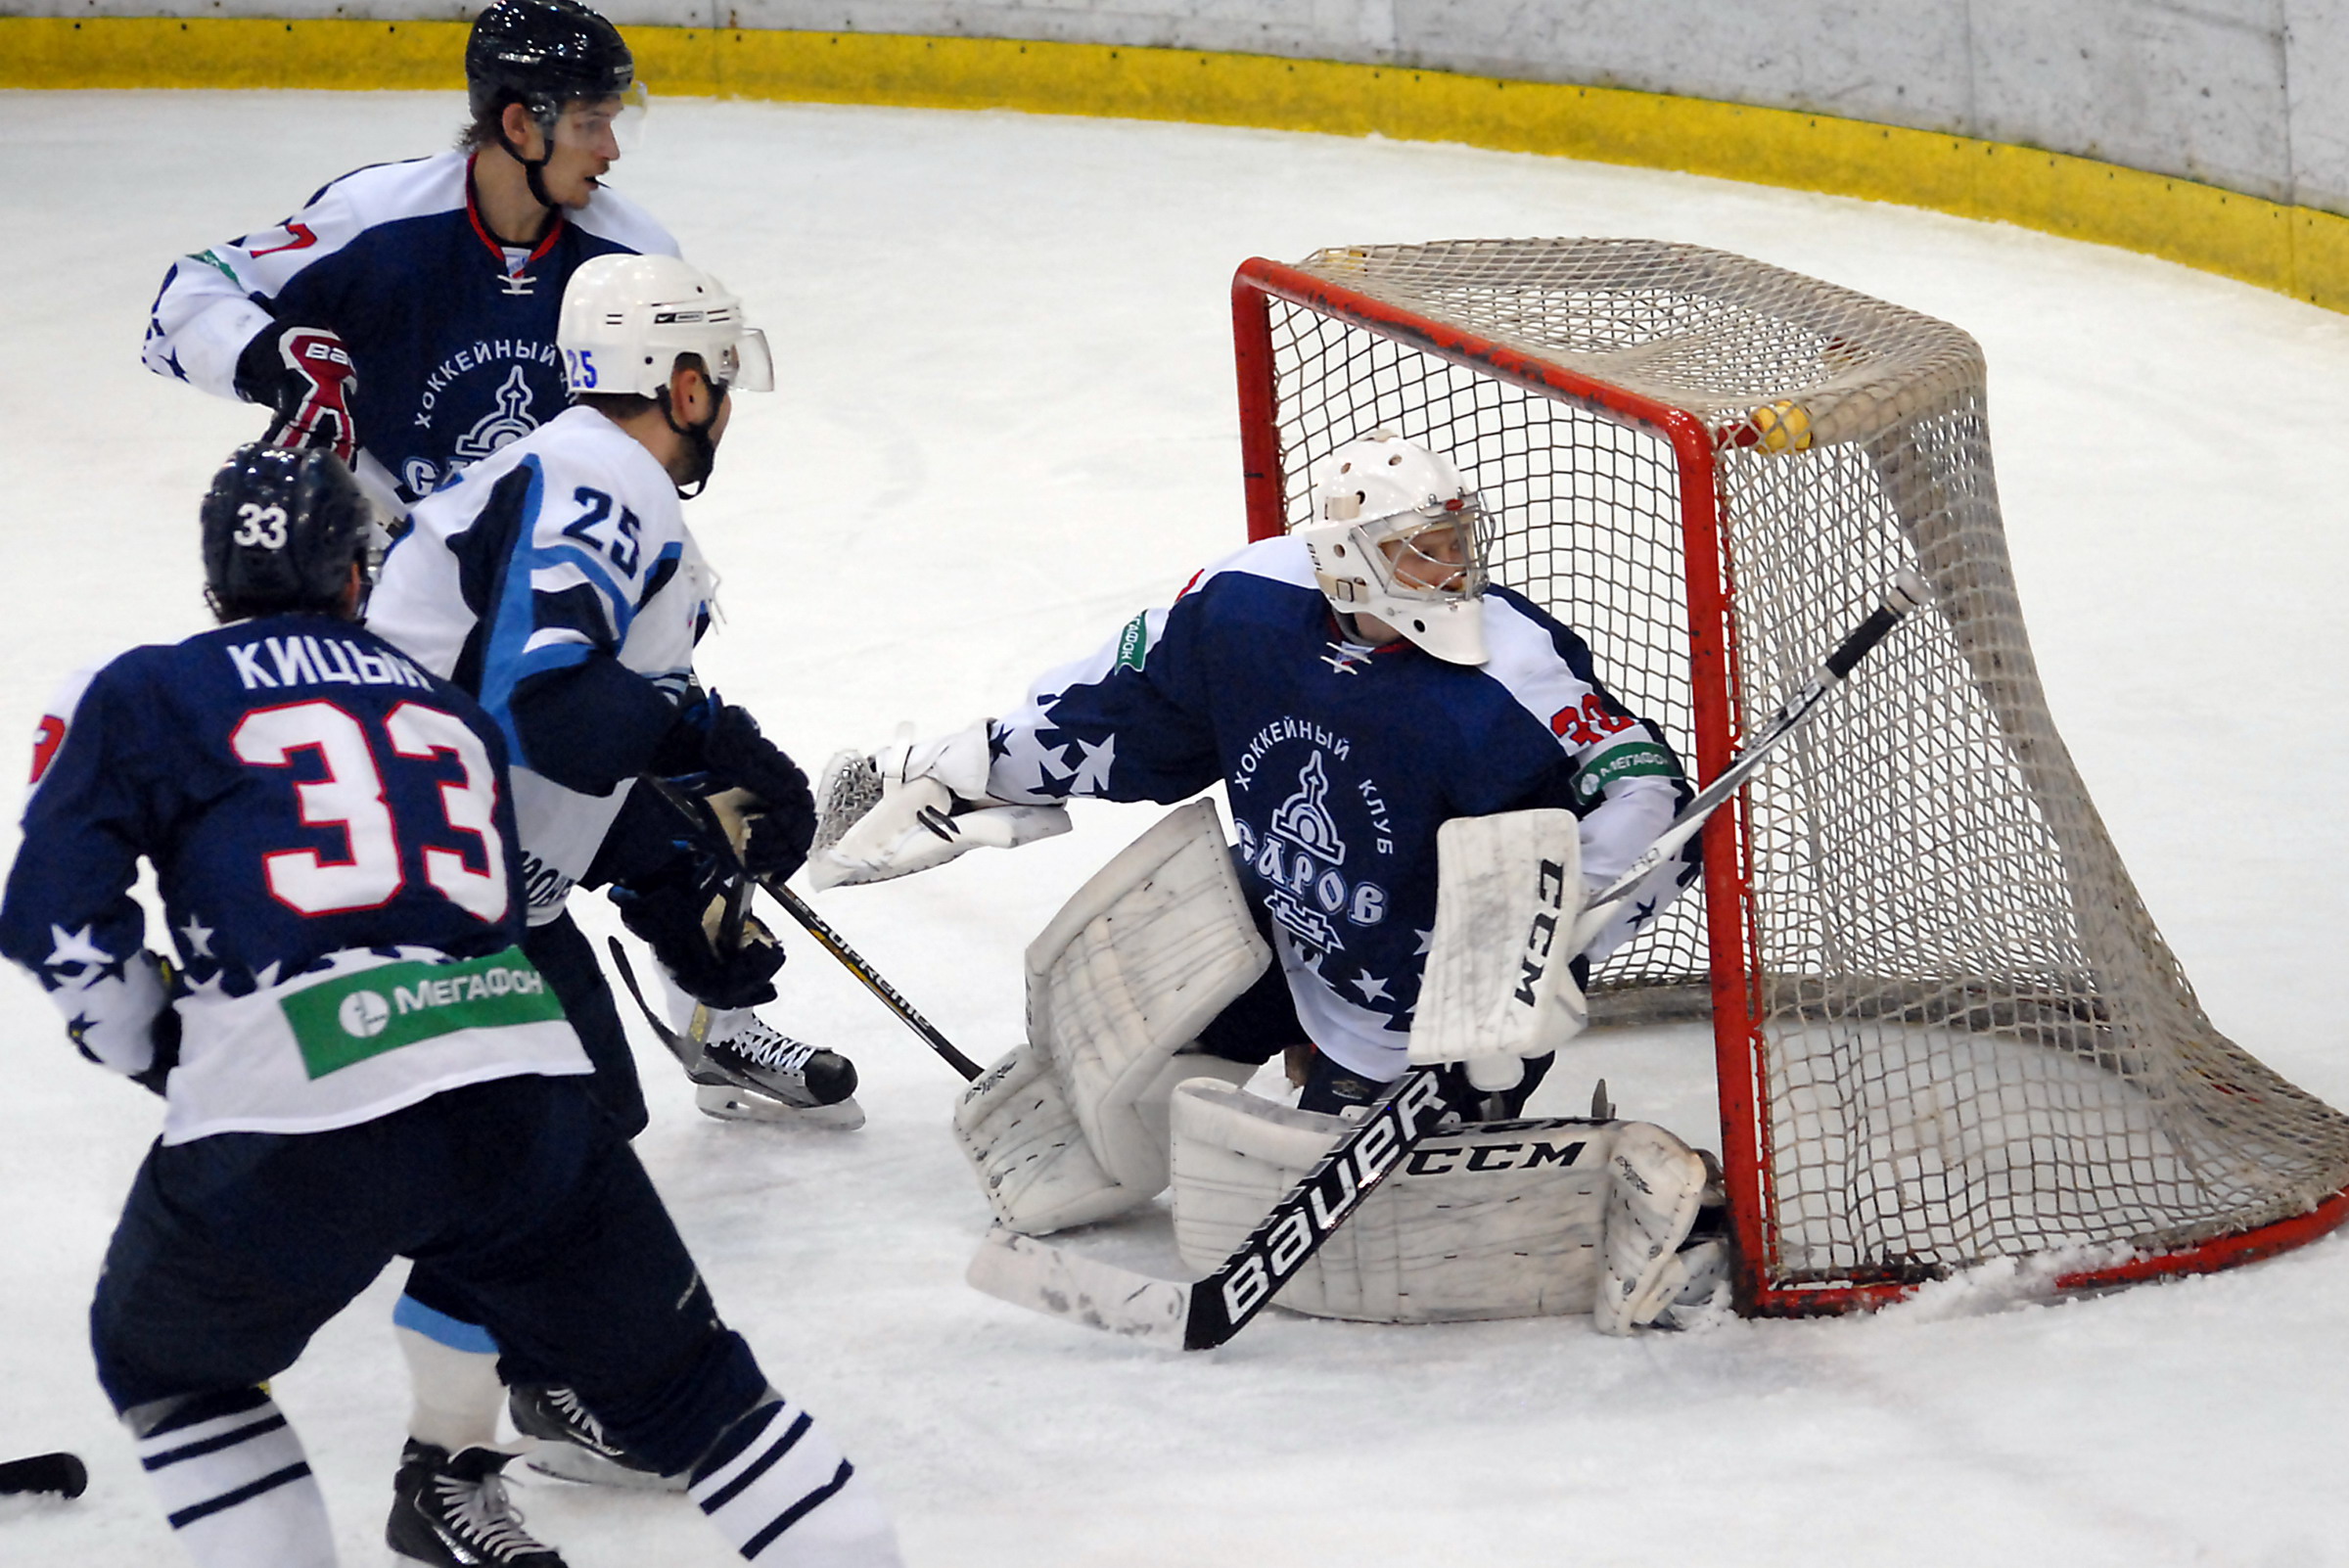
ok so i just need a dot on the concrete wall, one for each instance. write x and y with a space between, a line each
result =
2248 95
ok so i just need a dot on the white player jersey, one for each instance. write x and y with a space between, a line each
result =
567 545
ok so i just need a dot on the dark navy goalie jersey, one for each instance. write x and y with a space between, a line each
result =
332 839
451 333
1340 761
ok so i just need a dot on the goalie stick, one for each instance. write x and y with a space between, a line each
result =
1206 1313
62 1474
815 926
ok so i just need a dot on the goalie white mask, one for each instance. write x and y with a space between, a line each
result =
1397 533
627 318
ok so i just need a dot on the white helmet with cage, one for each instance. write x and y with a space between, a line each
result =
1396 533
627 318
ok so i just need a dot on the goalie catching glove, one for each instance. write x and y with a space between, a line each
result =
306 375
913 806
1498 988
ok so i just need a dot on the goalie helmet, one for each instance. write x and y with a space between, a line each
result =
1397 533
627 318
543 54
280 530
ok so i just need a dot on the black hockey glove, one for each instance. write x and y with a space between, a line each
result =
758 795
681 914
304 374
164 1032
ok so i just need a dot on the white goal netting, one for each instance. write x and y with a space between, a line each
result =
1960 1035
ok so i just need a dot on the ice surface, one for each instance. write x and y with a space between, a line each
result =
1006 422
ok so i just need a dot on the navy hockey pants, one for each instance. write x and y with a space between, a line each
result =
233 1250
1261 1022
560 951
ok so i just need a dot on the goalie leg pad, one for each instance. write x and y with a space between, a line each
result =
1493 1220
1151 949
1015 1126
1658 1185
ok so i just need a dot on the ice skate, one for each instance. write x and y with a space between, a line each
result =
572 1445
452 1510
751 1073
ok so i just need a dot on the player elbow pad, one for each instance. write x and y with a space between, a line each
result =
590 724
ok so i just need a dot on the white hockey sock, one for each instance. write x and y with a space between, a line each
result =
682 1003
234 1483
778 1487
457 1393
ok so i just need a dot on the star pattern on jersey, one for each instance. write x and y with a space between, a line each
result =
1092 768
1025 751
79 961
214 985
1371 987
1427 939
199 938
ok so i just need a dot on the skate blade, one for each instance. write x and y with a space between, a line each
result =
732 1103
568 1461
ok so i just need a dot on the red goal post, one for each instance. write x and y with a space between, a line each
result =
1926 1057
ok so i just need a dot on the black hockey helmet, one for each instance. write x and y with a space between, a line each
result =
542 54
281 530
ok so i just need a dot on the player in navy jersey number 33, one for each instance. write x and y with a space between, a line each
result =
357 1062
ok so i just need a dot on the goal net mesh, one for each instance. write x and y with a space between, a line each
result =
1969 1039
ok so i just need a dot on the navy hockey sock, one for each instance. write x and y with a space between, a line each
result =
777 1485
233 1481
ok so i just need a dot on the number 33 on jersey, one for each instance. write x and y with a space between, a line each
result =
330 834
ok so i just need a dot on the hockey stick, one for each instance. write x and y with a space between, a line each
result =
1206 1313
815 926
62 1474
688 1054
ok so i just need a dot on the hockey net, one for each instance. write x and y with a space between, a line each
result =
1946 1029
